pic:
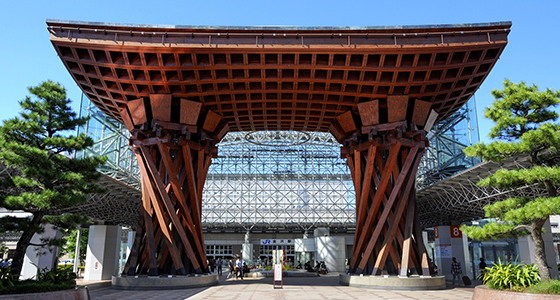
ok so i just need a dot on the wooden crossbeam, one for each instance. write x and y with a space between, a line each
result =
415 155
376 202
171 210
387 209
163 226
176 186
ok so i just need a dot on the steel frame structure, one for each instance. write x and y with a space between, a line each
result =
110 139
445 157
278 181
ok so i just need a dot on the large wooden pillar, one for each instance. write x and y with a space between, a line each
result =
173 140
384 141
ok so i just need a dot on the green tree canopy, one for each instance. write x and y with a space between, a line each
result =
39 145
524 118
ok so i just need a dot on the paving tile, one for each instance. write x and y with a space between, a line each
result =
310 288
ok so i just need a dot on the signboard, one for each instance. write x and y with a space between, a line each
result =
436 232
444 251
278 275
456 231
277 242
277 272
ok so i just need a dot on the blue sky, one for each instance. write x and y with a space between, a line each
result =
27 56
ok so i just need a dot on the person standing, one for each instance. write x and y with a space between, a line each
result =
456 271
482 267
220 262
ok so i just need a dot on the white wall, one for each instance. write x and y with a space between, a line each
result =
102 252
44 258
331 250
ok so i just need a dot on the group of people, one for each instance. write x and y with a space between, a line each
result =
320 267
213 264
237 268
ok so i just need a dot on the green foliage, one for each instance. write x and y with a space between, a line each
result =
523 119
70 247
6 279
267 268
28 287
519 108
38 144
57 276
286 267
511 276
550 287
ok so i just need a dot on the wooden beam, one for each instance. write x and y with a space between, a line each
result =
170 209
177 262
211 122
387 209
126 119
161 107
421 111
137 111
416 155
189 112
376 202
346 121
369 112
396 108
406 246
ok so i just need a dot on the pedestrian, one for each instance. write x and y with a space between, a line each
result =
220 262
231 268
482 266
212 265
238 268
456 271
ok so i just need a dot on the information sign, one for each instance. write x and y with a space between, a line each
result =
278 275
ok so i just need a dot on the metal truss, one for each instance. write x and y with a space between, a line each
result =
278 181
444 157
458 199
119 206
110 139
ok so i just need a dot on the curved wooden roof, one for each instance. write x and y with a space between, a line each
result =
278 78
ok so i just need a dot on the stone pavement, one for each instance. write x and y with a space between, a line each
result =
305 288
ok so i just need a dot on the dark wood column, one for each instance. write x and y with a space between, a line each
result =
384 141
173 140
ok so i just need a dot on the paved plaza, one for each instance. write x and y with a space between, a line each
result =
310 288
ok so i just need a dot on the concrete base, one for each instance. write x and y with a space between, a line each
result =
414 283
162 283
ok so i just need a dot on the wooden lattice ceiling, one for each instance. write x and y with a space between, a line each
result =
278 78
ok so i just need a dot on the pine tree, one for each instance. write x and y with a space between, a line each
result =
48 179
524 118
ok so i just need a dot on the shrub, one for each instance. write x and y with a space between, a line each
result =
56 276
267 268
286 267
551 287
7 279
32 286
511 276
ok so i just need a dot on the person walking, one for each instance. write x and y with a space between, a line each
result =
220 262
238 268
456 271
231 268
